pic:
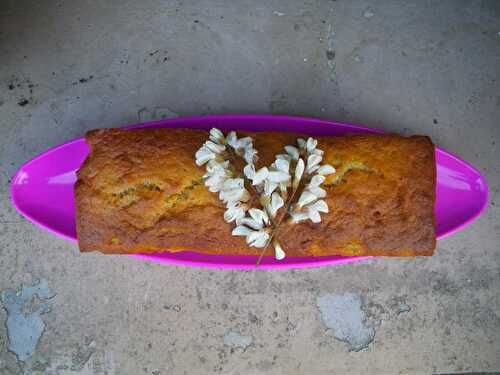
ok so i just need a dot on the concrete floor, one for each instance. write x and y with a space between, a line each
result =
427 67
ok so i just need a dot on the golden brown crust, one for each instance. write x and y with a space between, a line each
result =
140 191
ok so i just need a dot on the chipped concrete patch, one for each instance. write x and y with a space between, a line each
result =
344 315
235 339
403 308
24 323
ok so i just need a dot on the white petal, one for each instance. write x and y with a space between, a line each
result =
279 254
234 213
215 180
302 143
326 169
284 157
318 152
305 198
233 183
317 191
278 177
269 187
241 230
299 171
299 216
313 160
311 144
258 239
292 151
317 180
214 147
249 223
203 155
232 139
260 176
234 195
214 165
314 216
249 171
282 165
250 155
216 133
203 159
312 170
319 206
276 203
257 215
244 142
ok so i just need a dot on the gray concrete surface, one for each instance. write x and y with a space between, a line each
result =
430 67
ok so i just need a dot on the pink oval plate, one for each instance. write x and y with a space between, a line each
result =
42 189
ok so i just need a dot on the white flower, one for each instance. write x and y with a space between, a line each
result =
326 169
260 176
314 216
258 238
317 191
232 139
259 216
215 182
317 180
282 165
234 212
250 155
216 136
275 204
203 155
312 163
233 183
234 195
257 177
241 230
249 171
278 177
214 147
292 151
299 171
302 143
311 144
305 198
214 166
299 216
284 157
269 187
243 143
279 254
313 211
319 206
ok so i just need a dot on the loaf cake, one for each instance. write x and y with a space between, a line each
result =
140 191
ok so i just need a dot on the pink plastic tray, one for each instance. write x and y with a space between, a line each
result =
42 189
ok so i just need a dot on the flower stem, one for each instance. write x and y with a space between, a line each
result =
277 225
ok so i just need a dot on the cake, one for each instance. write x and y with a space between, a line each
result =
140 191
